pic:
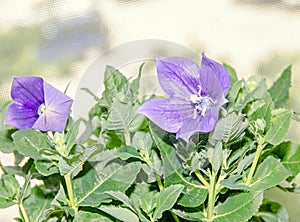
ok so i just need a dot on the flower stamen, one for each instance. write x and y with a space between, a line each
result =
42 109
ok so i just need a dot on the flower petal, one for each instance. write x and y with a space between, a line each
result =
202 124
219 71
58 107
28 91
178 76
20 116
163 113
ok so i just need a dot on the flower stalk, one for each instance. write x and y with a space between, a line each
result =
211 197
23 211
70 193
202 179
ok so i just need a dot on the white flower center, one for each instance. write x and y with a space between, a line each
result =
202 103
42 109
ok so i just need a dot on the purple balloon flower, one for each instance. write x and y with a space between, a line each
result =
37 105
195 95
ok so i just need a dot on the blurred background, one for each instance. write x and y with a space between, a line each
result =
59 39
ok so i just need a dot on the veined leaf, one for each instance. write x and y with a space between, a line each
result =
280 89
190 216
291 159
35 204
84 216
6 142
279 127
166 199
72 135
232 74
173 173
268 174
121 117
114 81
120 213
240 207
102 176
30 142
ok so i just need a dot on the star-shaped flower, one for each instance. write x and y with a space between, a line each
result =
195 95
37 105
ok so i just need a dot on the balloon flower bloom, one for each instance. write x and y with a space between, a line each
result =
37 105
195 95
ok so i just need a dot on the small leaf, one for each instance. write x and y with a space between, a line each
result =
11 185
71 136
120 213
240 207
30 142
268 174
232 74
84 216
190 216
114 81
46 167
279 127
280 89
135 85
6 142
166 199
3 111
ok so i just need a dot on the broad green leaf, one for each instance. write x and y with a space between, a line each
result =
263 112
279 127
215 156
30 142
36 204
114 81
121 117
280 89
123 198
101 176
126 152
120 213
228 128
234 182
6 142
172 169
291 159
166 199
240 207
85 216
268 174
190 216
232 74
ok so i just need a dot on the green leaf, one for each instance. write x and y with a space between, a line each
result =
228 128
272 212
114 81
234 182
46 167
11 185
84 216
6 142
101 174
279 127
263 112
190 216
280 89
291 159
268 174
123 198
232 74
166 199
240 207
215 156
135 85
173 173
36 204
120 213
121 117
30 142
71 136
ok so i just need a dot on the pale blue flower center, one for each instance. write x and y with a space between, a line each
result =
42 109
202 103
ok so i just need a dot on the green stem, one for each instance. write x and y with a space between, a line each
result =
202 179
23 211
70 193
127 138
254 164
159 182
175 217
2 169
211 197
